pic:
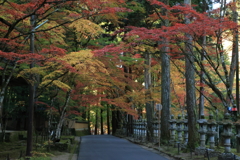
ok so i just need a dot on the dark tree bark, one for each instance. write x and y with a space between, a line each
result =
96 123
190 90
114 122
108 120
149 104
165 95
102 132
235 56
165 83
130 125
32 92
89 127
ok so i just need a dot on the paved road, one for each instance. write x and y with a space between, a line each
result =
107 147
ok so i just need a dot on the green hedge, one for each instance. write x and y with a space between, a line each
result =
14 136
82 133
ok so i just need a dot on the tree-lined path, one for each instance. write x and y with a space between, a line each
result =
107 147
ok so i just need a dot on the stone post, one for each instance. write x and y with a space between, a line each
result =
172 129
227 133
237 125
155 131
179 125
185 130
211 126
202 130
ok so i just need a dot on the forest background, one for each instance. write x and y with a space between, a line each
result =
77 59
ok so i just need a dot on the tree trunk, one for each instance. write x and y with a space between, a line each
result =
62 116
32 92
102 122
59 126
3 88
108 120
88 117
201 98
96 123
191 105
129 125
165 95
190 90
235 53
165 84
2 96
149 106
114 122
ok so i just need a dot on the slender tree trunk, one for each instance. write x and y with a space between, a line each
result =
32 92
62 116
96 123
102 122
149 106
129 125
114 122
2 96
119 119
3 88
88 117
190 90
236 54
59 126
234 65
201 97
108 120
50 129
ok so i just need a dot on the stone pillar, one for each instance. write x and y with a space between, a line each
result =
202 131
172 129
211 131
237 125
227 133
179 128
185 130
155 130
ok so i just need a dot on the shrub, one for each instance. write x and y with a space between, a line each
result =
82 133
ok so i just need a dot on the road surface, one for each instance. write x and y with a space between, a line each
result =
107 147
